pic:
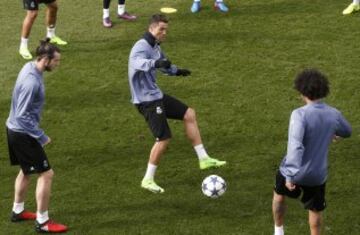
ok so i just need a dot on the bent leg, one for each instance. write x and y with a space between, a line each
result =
191 127
157 151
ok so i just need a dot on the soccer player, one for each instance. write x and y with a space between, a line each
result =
304 168
26 140
32 8
353 7
145 58
218 5
121 13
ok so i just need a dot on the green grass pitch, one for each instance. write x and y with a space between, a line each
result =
243 64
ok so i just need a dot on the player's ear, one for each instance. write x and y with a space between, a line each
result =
151 27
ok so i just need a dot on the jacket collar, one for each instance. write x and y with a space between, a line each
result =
150 39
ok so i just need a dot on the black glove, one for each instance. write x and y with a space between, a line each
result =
162 63
183 72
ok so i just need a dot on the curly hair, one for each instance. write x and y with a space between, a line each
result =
312 84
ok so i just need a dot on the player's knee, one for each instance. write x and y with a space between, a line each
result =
278 198
21 176
31 15
27 177
165 142
48 175
315 222
190 115
53 7
51 173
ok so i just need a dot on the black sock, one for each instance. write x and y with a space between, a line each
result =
106 4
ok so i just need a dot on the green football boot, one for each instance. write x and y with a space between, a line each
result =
351 9
57 40
150 185
209 163
25 53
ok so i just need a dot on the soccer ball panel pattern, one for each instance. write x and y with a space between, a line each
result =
213 186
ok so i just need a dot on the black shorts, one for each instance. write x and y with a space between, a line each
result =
313 197
27 152
33 5
157 112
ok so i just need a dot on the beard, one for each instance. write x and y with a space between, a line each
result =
48 68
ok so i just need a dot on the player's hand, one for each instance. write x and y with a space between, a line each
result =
290 186
48 141
336 138
162 63
183 72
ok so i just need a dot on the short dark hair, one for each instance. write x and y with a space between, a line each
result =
46 49
157 18
312 84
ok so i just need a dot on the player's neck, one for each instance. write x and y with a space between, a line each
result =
308 101
40 65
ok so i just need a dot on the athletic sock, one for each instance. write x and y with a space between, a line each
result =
357 2
201 152
24 42
121 9
42 217
50 32
18 207
279 230
219 1
106 13
150 171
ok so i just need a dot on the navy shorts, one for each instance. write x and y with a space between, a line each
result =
157 112
27 152
33 5
313 197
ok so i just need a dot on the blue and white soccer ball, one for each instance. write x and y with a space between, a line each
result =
213 186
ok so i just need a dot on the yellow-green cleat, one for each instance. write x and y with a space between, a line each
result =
150 185
351 9
209 163
57 40
25 53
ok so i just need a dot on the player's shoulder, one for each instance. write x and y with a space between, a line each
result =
142 43
299 112
29 76
329 108
333 110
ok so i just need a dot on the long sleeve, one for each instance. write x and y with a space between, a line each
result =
25 119
343 127
170 71
295 148
140 62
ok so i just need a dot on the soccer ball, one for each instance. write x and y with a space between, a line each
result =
213 186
